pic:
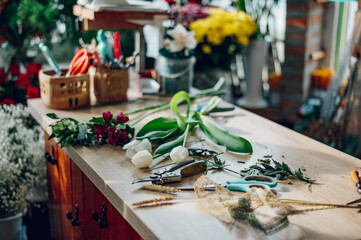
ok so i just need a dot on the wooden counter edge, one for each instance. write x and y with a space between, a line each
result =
123 208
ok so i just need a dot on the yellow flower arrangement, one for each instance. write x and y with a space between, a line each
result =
221 24
222 34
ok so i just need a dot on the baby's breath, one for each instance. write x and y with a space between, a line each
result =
21 157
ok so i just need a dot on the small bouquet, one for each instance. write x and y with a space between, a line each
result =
221 35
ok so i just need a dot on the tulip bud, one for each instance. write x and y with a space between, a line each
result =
179 154
142 159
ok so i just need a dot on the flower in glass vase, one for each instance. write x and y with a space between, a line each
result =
221 35
176 60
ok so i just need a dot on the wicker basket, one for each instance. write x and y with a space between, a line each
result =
64 92
109 85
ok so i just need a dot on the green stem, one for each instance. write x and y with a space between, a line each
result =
137 120
146 108
186 135
159 167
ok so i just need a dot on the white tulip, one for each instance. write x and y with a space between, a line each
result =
142 159
179 154
136 146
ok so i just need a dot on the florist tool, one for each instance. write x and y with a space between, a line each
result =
243 185
49 57
80 63
356 180
175 173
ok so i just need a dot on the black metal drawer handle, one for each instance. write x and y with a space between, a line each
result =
74 221
50 158
101 221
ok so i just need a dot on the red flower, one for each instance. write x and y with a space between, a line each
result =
98 129
14 69
107 117
8 101
121 118
23 80
111 130
2 76
33 92
33 68
111 140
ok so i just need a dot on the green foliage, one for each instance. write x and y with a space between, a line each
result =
174 131
223 137
22 20
280 170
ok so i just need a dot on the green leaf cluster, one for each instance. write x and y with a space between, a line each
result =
172 132
280 171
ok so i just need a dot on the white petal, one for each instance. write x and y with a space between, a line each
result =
142 159
144 145
179 154
175 46
131 144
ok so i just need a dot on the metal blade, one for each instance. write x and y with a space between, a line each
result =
353 202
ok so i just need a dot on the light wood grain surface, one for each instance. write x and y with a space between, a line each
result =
109 169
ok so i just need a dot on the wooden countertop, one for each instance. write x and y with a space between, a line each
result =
109 169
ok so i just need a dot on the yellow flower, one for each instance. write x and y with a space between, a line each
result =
243 40
200 27
207 49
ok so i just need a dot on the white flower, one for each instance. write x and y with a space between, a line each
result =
179 154
182 39
142 159
136 146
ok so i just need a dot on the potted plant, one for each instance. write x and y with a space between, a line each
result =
21 165
176 60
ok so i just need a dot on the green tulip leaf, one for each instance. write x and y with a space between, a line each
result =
223 137
168 146
177 99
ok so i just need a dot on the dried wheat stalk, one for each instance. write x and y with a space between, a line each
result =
154 200
160 188
310 203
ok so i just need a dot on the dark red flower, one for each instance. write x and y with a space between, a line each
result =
33 92
8 101
2 76
33 68
121 118
14 69
111 140
107 117
23 80
98 129
111 130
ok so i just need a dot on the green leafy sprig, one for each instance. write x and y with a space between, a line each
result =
280 171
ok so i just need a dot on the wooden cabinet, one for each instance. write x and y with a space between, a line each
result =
74 199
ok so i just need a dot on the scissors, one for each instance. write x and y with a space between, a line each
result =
80 63
244 184
175 173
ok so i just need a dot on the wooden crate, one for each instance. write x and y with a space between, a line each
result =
64 92
109 85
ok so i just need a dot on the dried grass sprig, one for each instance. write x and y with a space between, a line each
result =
153 200
159 188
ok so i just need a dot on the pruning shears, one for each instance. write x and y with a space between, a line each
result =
244 184
175 173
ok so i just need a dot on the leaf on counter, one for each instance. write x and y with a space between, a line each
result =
168 146
223 137
52 116
159 129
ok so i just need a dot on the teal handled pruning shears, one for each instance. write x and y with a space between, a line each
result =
244 184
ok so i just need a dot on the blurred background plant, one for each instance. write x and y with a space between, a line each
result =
21 158
26 22
221 35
